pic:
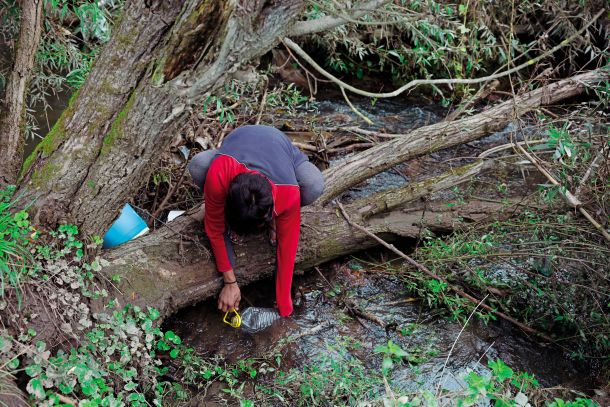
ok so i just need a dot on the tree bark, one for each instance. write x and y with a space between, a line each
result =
163 56
12 110
425 140
10 394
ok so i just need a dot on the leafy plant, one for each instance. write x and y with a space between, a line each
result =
392 353
15 235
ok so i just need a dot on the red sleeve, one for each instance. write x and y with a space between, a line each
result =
287 224
215 192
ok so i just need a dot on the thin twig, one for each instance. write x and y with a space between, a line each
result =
486 351
441 279
483 92
440 382
262 107
350 306
170 193
351 106
590 171
308 73
67 400
364 132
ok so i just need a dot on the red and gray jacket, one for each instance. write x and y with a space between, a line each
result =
266 151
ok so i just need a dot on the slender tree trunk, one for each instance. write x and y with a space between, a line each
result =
12 110
162 56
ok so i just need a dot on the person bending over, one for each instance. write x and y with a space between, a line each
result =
256 178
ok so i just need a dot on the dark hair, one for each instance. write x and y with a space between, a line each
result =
249 203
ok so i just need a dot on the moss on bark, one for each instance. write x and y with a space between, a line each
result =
52 140
116 127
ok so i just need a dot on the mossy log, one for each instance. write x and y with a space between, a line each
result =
172 268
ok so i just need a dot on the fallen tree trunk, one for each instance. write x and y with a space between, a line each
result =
172 268
428 139
393 198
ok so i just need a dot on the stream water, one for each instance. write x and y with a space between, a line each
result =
322 324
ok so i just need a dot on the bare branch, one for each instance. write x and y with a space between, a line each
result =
358 112
570 198
330 22
425 140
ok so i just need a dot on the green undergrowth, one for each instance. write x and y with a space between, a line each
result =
14 237
547 269
545 264
418 39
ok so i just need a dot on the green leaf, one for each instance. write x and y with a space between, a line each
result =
66 388
130 386
153 313
13 364
35 388
172 337
387 363
88 388
500 370
174 353
162 345
33 370
136 397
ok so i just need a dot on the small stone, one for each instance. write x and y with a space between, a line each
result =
521 399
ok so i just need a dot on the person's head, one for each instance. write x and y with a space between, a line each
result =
249 203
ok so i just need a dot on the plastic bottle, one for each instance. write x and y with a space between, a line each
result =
256 319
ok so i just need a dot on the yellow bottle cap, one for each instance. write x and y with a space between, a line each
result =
235 320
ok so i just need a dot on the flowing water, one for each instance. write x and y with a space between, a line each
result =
439 351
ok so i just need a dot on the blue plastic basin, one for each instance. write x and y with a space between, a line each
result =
126 227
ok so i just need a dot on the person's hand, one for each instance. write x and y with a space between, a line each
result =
229 298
